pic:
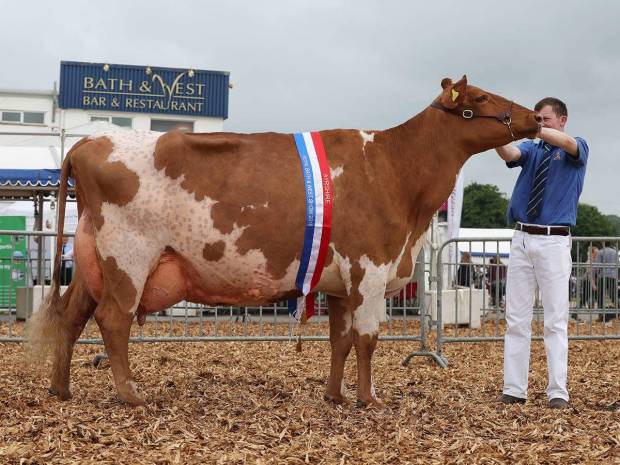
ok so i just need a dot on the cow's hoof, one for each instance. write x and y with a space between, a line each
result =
371 403
133 400
339 399
62 394
129 394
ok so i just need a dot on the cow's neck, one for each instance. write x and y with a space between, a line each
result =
429 154
445 135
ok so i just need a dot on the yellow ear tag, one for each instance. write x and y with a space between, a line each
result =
455 95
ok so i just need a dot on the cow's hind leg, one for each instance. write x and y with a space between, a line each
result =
115 324
79 307
55 327
114 315
341 341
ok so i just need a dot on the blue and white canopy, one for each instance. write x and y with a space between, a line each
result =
30 178
24 170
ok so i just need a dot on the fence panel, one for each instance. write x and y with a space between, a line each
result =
470 306
188 322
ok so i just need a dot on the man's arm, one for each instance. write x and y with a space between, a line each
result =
508 152
559 139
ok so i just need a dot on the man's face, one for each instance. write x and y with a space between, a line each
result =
551 120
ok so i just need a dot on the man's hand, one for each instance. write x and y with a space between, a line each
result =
508 152
559 139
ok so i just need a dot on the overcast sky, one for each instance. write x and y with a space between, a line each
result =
306 65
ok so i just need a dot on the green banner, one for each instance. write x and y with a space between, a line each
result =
13 259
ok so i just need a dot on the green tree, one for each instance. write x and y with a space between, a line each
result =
591 222
615 220
484 206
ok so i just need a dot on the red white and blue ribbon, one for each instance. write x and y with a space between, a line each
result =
318 189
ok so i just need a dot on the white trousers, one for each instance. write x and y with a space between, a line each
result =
545 260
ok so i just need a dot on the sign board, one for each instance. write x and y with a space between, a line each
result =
13 260
143 89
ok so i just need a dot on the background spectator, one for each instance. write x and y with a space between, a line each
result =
465 272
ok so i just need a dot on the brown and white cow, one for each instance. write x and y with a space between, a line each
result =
219 219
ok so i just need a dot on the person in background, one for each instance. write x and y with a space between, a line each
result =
497 281
66 262
588 283
465 272
606 266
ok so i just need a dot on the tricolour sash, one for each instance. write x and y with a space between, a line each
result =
318 189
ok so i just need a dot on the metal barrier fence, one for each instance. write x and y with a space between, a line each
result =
24 283
467 306
472 303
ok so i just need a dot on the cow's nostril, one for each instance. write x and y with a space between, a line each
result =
538 118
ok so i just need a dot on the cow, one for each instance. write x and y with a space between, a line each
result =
219 218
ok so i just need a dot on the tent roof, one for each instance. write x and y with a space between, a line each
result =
27 171
29 158
488 247
29 178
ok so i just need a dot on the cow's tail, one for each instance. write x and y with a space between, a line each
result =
45 330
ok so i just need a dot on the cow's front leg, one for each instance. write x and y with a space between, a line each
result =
366 318
341 341
365 345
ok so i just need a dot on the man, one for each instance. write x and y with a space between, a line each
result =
606 266
544 207
587 293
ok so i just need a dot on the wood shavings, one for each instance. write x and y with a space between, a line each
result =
237 403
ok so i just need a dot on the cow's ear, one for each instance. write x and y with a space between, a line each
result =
453 94
461 88
445 82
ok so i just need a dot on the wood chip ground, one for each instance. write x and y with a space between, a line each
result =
263 403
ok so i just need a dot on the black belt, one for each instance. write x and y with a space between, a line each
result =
544 230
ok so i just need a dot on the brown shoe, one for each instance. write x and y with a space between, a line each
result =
558 403
508 399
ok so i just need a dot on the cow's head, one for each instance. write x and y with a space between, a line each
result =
487 120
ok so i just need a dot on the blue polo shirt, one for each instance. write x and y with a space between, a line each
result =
563 188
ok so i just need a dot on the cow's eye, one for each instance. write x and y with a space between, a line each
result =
482 98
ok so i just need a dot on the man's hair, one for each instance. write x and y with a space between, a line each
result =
558 107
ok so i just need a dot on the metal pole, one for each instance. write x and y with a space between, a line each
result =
443 362
39 204
433 268
42 134
421 292
54 103
62 146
